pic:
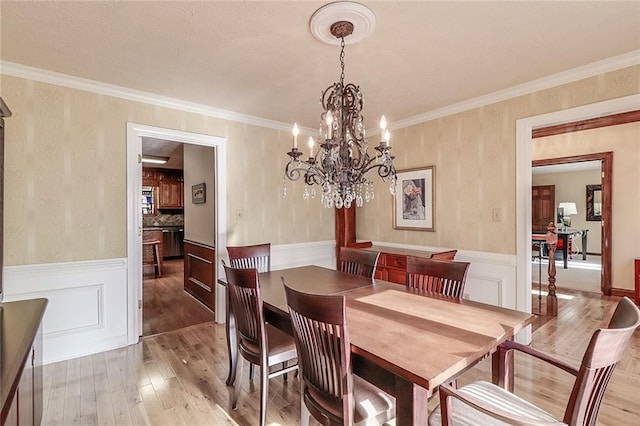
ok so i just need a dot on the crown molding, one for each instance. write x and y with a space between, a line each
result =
607 65
590 70
51 77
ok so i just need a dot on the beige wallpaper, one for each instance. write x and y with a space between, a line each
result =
474 157
624 141
199 219
65 171
572 187
65 176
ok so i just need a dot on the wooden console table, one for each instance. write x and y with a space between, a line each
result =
392 263
21 361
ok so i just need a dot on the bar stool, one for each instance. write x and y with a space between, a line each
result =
156 261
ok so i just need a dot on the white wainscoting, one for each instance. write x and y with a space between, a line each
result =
87 310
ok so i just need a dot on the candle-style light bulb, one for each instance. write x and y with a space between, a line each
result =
329 120
383 123
310 147
295 135
387 138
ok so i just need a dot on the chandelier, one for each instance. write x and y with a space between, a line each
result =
341 166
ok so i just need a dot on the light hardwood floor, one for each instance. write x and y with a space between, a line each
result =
177 378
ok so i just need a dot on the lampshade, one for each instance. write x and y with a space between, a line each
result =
569 208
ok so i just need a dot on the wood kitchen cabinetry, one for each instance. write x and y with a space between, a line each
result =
169 184
171 194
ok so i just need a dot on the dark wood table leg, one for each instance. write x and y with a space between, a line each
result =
411 403
565 249
584 244
232 348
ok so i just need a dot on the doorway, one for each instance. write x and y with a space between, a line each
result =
166 305
605 169
135 133
524 129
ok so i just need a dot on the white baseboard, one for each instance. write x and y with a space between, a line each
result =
87 310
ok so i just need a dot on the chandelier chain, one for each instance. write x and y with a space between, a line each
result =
342 61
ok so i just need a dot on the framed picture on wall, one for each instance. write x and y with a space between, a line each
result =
199 193
594 203
414 203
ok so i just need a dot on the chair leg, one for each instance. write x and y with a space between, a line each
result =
264 393
284 376
237 384
250 372
156 254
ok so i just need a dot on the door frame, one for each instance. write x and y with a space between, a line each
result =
606 173
135 133
524 128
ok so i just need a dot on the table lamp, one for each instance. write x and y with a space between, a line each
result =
568 209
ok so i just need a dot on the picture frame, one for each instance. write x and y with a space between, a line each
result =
594 203
199 193
414 203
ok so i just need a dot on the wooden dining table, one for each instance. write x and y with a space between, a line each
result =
405 341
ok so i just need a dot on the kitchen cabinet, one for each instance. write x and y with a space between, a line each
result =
149 177
167 187
171 194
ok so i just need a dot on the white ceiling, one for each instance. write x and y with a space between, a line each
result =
260 58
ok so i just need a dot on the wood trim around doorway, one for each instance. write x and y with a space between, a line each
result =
606 159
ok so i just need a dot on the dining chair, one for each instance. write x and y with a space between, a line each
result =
329 391
256 256
358 262
257 342
444 255
445 277
488 404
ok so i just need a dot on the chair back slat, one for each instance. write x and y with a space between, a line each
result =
256 256
445 277
358 262
605 350
323 347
